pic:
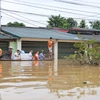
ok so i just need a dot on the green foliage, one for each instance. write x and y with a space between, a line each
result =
96 46
87 53
57 21
81 46
82 24
72 56
15 24
61 22
95 24
71 23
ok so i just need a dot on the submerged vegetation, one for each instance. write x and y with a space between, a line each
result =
88 52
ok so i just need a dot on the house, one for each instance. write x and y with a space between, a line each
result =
83 31
5 39
27 38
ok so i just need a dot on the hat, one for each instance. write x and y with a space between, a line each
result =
11 47
50 37
42 50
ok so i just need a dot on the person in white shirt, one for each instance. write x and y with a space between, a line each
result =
30 55
17 55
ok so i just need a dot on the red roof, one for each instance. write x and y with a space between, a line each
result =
63 30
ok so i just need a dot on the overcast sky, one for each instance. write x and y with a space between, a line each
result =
35 13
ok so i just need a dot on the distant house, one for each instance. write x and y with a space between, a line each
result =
83 31
27 38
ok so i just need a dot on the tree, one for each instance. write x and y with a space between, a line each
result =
71 23
82 24
95 24
15 24
57 21
61 22
87 54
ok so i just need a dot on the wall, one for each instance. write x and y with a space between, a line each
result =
64 48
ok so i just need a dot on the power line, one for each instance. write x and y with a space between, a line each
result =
28 18
89 2
48 8
81 1
19 19
38 14
24 20
42 15
75 3
8 17
59 7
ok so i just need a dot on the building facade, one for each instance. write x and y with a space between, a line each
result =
36 39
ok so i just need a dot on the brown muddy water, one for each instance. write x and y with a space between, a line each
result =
41 80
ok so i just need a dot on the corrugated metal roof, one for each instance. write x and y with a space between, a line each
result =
38 33
3 36
29 32
84 29
94 37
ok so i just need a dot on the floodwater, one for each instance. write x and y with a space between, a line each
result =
41 80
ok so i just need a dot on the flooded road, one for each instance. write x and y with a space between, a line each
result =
41 80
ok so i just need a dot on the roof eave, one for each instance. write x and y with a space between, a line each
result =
13 35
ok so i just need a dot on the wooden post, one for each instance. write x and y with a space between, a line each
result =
19 46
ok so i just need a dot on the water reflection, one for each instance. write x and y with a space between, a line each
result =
19 68
0 97
0 70
28 80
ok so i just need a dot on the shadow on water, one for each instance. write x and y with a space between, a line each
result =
28 80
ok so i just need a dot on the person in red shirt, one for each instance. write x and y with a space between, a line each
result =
50 46
36 56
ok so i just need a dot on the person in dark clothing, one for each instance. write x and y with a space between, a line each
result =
10 52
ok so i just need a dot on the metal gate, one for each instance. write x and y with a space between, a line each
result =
4 45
